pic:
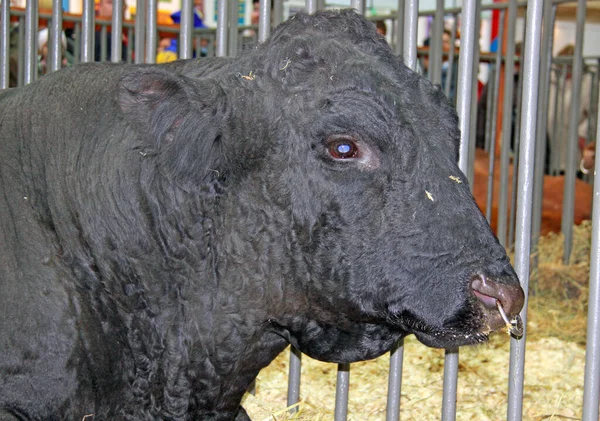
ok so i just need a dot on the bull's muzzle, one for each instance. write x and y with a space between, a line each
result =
501 303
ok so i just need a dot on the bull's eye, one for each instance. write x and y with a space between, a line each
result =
342 147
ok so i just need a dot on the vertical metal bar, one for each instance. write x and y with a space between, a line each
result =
509 81
30 62
359 5
465 82
492 118
222 21
542 122
395 382
210 48
116 35
450 384
151 33
554 79
185 29
311 6
140 31
591 383
399 33
593 119
434 73
21 52
4 44
277 12
474 90
264 20
407 24
568 208
103 42
517 137
487 142
233 27
451 57
130 32
531 64
411 17
55 37
77 55
88 31
559 129
342 389
294 378
464 97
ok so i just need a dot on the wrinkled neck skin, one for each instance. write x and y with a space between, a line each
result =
198 292
282 281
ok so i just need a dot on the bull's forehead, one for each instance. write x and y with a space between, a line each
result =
333 67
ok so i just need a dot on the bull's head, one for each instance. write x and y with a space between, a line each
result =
339 168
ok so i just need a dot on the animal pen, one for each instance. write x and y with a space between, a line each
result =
518 201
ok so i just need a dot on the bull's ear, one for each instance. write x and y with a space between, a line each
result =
179 121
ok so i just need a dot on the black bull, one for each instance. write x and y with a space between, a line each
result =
166 230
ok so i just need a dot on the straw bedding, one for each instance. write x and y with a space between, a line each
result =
554 361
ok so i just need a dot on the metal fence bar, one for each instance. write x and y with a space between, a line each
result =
451 57
359 5
233 28
30 48
523 230
411 14
342 389
140 30
399 29
186 44
293 395
464 96
4 44
151 33
434 72
409 35
559 131
492 117
264 21
103 43
517 140
88 31
568 208
222 20
593 121
507 105
277 12
116 36
591 383
465 81
395 382
542 122
55 37
491 86
514 179
474 91
130 35
311 6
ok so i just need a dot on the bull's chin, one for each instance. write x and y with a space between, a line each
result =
450 339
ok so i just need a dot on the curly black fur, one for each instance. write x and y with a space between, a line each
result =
167 230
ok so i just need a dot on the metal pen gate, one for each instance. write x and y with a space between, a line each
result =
520 227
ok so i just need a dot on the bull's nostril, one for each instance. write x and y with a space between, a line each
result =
510 297
486 300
